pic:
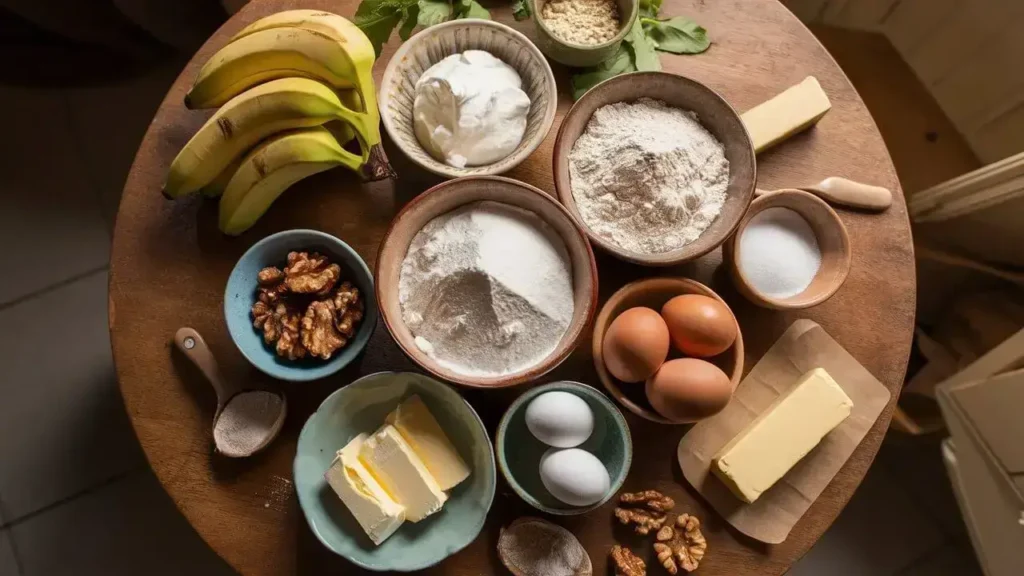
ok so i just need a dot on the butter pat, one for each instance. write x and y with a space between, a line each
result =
777 439
792 111
373 508
402 473
417 425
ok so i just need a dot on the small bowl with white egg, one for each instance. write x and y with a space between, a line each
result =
468 97
790 251
564 448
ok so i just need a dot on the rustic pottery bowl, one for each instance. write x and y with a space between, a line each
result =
430 46
519 451
572 54
654 293
240 295
448 196
833 241
713 112
361 407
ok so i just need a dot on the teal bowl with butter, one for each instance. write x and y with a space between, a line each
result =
519 452
362 407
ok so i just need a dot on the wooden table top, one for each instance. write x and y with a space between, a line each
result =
170 265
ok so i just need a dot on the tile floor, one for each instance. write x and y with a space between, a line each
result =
87 503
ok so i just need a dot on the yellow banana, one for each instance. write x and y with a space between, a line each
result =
273 166
245 120
343 132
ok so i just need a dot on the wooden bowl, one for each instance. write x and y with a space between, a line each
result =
654 293
833 241
430 46
714 113
572 54
448 196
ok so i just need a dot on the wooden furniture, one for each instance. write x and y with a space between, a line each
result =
170 264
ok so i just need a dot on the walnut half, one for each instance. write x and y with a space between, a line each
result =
319 335
644 521
650 499
310 274
627 563
681 545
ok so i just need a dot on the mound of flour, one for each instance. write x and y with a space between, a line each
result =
487 289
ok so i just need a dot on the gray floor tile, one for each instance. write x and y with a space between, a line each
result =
50 222
8 564
109 122
950 560
916 464
63 427
877 534
126 528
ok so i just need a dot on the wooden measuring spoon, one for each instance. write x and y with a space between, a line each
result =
195 349
845 192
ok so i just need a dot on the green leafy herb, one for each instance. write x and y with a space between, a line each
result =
521 10
649 8
678 35
378 18
644 56
433 12
620 63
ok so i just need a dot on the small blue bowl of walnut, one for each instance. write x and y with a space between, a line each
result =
299 305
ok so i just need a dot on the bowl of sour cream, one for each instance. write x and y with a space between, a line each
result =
468 98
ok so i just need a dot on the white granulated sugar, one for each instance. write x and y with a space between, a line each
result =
487 289
648 177
779 254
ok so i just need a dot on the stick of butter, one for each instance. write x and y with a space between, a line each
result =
792 111
401 472
782 435
419 428
373 508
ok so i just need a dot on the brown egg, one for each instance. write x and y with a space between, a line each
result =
699 325
635 345
688 389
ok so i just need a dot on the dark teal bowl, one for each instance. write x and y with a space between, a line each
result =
361 407
240 295
519 452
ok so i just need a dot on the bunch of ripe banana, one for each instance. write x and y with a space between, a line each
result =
293 89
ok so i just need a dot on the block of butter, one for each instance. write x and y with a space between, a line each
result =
417 425
402 473
374 509
783 434
792 111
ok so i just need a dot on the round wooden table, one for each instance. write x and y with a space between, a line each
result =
170 265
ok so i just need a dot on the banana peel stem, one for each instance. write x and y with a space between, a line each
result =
377 166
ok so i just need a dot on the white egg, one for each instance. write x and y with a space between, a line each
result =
574 476
560 419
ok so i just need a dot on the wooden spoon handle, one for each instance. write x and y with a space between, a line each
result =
849 193
194 347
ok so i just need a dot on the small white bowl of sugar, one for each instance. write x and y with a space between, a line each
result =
790 251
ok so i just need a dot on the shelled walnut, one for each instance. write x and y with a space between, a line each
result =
310 274
627 563
644 521
648 512
298 313
681 545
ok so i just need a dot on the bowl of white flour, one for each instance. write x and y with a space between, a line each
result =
486 282
657 168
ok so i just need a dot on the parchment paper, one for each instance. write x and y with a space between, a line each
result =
803 347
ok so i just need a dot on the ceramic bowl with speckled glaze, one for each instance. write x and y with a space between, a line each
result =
240 294
519 452
430 46
361 407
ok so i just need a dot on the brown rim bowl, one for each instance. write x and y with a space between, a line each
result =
713 112
453 194
833 241
654 293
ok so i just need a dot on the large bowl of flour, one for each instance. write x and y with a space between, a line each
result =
657 168
486 282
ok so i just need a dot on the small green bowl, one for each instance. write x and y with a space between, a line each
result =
519 452
361 407
572 54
